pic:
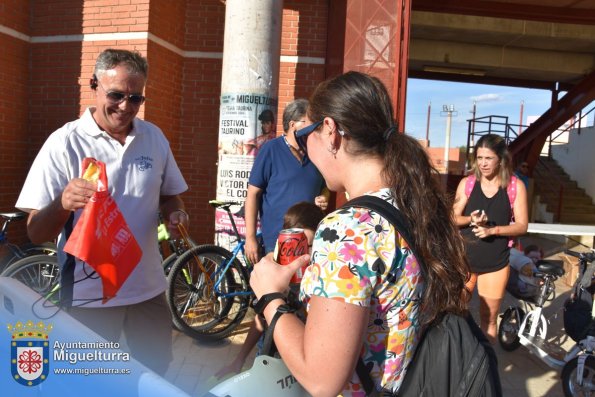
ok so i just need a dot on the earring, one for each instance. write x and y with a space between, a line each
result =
333 151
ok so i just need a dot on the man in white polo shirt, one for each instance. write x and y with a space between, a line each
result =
143 179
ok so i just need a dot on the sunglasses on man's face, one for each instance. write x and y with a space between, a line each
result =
301 136
117 97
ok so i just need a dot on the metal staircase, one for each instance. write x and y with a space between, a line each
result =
561 195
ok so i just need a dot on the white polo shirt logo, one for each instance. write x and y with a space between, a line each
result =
144 163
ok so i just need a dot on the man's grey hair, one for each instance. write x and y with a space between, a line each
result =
110 58
295 111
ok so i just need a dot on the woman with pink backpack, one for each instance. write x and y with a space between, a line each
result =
490 207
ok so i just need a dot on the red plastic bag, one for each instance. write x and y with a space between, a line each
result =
102 238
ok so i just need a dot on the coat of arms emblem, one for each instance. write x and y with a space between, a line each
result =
29 352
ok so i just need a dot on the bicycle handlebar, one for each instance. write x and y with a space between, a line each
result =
588 256
572 253
587 278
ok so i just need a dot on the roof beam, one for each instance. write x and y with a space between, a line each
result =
501 81
508 10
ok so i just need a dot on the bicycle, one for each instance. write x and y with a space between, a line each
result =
208 290
171 249
16 252
41 273
530 330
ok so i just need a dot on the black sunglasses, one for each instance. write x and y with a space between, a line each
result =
301 136
117 97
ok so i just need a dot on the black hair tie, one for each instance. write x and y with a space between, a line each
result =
388 132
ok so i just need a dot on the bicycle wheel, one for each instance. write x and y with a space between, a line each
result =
177 248
41 273
570 384
508 330
28 249
169 262
200 309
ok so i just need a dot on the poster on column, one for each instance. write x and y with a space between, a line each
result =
246 122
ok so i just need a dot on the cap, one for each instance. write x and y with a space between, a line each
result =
266 115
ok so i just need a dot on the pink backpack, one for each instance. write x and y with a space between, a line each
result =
511 190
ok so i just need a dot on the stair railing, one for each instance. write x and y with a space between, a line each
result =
553 138
488 125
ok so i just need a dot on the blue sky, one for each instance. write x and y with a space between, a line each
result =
490 100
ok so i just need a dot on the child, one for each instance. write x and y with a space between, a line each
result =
303 215
523 266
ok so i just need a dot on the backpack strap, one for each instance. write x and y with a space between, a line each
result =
392 214
399 222
469 185
511 190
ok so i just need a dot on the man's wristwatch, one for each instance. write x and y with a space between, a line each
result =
264 300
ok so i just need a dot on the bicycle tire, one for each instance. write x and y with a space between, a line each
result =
41 273
195 308
569 383
508 329
168 263
28 249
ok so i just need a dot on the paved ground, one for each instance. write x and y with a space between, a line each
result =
522 374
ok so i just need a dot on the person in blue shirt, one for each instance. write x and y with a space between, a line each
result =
522 172
281 176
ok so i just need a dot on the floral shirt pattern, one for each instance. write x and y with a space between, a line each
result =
355 260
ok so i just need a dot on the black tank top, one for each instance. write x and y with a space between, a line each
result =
489 254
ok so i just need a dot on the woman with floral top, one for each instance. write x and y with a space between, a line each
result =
365 294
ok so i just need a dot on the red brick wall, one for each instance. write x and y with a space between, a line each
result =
167 20
49 82
303 34
197 146
199 125
14 101
14 14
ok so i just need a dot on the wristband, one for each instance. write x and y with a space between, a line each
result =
268 334
281 310
264 300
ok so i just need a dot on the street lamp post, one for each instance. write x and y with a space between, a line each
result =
447 110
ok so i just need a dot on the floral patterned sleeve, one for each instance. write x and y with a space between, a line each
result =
350 251
358 258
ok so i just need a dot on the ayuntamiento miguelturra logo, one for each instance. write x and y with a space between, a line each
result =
29 352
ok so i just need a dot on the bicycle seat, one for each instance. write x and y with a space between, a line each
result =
550 268
13 216
223 204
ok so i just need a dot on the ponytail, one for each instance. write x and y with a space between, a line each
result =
420 197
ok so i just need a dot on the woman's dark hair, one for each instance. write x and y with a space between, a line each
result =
304 215
497 145
361 106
